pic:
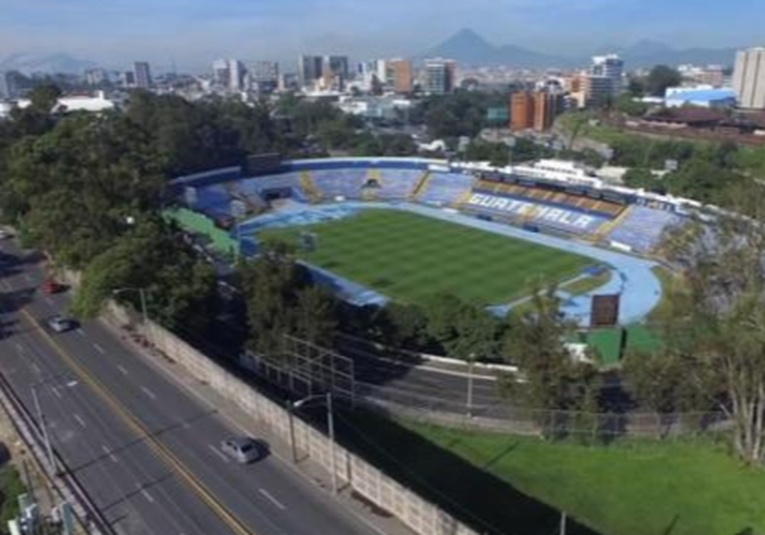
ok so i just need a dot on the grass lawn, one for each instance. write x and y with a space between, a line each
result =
410 257
588 283
626 488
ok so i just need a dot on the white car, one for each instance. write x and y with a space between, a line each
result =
4 234
243 449
61 324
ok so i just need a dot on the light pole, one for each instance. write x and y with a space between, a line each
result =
470 385
330 427
44 428
142 296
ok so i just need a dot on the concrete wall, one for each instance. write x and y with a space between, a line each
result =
419 514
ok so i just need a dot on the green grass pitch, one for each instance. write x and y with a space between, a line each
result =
410 257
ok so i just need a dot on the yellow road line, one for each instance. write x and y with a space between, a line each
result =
163 452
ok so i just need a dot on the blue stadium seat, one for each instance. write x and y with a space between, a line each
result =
642 228
445 188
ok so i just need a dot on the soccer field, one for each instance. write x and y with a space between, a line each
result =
410 257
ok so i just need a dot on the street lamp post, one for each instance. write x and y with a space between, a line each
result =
330 428
470 385
44 428
142 297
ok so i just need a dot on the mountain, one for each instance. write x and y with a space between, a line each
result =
45 64
469 48
648 53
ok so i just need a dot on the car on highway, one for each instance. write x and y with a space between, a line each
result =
51 286
61 324
243 450
4 234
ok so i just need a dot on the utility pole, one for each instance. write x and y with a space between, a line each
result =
44 427
293 446
562 523
470 386
331 426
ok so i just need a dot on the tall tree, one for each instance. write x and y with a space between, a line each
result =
660 78
718 333
550 381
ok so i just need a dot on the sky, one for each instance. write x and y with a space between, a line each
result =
192 33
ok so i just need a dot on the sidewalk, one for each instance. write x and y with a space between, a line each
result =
380 521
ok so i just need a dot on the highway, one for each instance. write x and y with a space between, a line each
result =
146 449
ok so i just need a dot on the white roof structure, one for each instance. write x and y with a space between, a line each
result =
97 103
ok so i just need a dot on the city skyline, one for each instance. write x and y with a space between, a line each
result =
193 32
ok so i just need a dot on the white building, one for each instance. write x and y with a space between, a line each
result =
749 78
94 104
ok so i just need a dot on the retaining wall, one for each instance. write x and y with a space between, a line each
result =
420 515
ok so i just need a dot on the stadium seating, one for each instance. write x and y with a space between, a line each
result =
340 183
445 188
256 185
398 183
213 200
642 228
558 198
534 214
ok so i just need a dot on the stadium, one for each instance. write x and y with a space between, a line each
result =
381 229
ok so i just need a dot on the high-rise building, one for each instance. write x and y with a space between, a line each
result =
598 90
399 75
221 72
547 105
440 76
264 76
95 76
749 78
236 75
142 74
309 70
7 86
128 79
521 110
264 71
611 67
334 72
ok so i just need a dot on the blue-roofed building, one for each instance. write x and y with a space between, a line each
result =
702 96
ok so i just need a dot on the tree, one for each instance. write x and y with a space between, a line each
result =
316 317
718 333
44 97
549 379
641 178
626 104
180 288
656 380
660 78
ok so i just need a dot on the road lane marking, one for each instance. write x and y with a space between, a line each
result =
81 332
20 348
148 392
80 420
109 453
56 392
271 499
27 277
99 349
147 495
121 369
36 368
217 452
193 482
